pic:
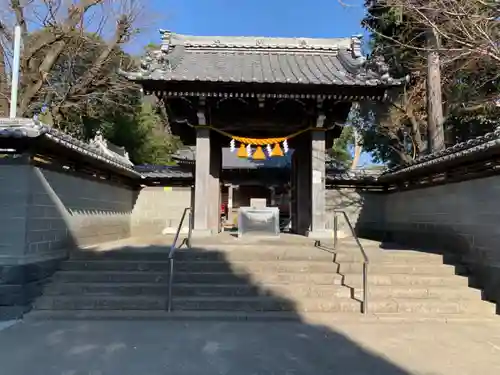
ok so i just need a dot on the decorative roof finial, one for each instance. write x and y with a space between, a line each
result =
356 46
166 39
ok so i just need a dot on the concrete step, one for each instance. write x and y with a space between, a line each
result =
224 253
89 302
201 266
88 255
420 292
242 278
263 279
391 268
194 304
202 290
266 304
427 306
116 265
43 315
431 306
110 277
11 295
242 316
107 289
355 280
261 303
352 253
13 312
399 259
283 290
234 277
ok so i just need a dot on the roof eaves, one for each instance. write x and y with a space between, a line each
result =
32 128
160 64
485 143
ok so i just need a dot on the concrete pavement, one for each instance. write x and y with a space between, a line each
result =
249 348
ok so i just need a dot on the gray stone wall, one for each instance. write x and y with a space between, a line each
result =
14 193
364 209
81 210
158 210
461 218
44 213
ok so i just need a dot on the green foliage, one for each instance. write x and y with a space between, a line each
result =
157 146
141 137
340 150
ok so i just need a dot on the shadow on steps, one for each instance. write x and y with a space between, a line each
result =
131 283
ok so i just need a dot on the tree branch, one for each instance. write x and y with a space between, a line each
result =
121 33
56 45
20 19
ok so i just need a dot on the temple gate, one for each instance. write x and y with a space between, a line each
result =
262 97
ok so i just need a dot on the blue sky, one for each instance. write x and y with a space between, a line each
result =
286 18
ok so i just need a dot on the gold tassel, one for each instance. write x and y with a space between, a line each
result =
277 150
242 151
259 154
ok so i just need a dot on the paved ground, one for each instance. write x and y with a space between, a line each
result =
244 348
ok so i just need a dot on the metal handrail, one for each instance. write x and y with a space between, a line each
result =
173 249
365 257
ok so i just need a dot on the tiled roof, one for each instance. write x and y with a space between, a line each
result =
96 149
163 171
483 145
332 175
262 60
365 175
231 161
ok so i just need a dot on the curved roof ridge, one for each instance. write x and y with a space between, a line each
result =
170 39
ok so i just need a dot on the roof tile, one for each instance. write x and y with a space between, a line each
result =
259 60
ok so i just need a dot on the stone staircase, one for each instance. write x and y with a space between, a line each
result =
245 281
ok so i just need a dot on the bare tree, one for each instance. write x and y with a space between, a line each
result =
454 64
457 32
71 50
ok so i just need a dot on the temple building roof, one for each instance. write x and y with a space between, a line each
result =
218 59
230 160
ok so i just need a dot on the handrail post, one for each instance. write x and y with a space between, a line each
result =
170 282
190 228
364 306
365 288
335 229
172 251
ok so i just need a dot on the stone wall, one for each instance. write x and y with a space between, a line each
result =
363 208
461 218
158 210
44 214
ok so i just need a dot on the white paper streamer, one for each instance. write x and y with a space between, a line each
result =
285 146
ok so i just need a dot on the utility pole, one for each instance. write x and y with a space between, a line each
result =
435 121
15 72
